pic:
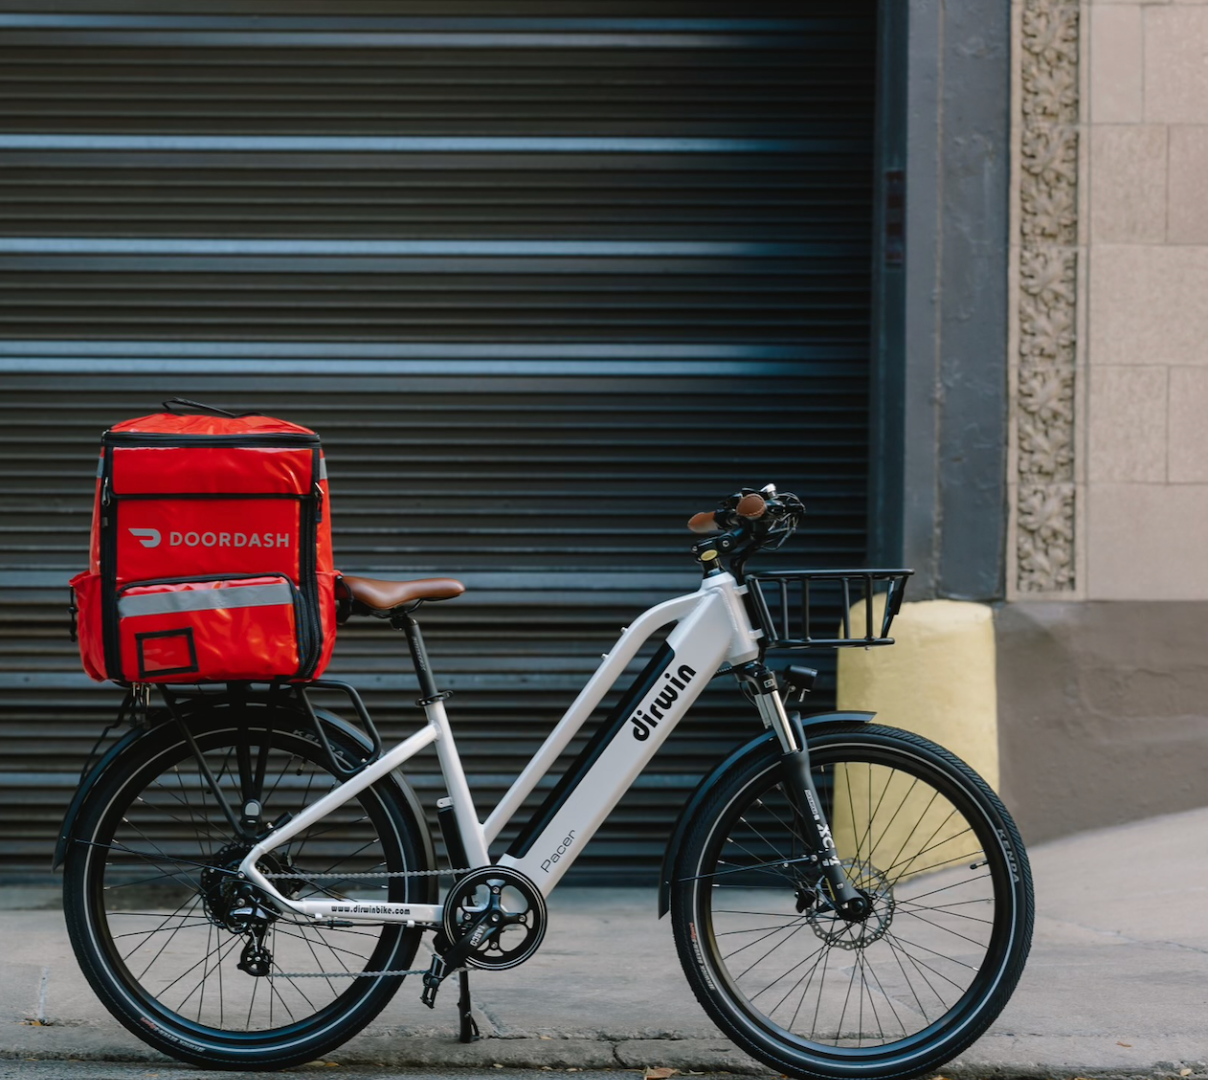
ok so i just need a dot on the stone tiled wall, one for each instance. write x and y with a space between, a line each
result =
1145 289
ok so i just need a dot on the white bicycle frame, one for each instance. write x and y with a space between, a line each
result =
712 627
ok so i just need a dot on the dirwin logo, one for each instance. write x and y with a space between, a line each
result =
645 719
147 537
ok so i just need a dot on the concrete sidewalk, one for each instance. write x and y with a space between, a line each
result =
1117 983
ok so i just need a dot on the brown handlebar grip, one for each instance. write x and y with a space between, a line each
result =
703 523
751 506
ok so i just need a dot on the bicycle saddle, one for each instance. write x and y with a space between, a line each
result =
382 597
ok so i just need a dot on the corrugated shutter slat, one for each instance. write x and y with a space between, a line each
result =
545 281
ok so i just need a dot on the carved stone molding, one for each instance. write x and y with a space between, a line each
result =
1045 295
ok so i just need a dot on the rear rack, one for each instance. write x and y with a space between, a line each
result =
783 600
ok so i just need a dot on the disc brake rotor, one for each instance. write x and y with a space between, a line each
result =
877 889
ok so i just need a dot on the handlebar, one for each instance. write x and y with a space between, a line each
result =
750 520
749 507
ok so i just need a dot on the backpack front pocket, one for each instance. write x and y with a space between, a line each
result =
212 629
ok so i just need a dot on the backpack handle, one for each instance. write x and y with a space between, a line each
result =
172 402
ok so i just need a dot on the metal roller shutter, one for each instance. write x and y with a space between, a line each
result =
545 283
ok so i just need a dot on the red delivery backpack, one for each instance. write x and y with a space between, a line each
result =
211 552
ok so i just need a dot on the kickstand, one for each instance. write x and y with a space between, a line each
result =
469 1029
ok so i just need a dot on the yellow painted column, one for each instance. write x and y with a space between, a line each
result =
938 680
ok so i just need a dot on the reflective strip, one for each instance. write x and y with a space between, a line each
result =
100 467
322 468
166 603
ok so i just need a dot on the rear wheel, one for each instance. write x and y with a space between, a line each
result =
897 992
159 923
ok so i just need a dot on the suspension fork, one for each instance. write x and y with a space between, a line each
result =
799 784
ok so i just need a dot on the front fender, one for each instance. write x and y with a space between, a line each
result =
158 717
703 789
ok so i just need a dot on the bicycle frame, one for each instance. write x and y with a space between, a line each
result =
712 627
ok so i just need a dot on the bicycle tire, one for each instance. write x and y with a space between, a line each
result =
132 999
767 1030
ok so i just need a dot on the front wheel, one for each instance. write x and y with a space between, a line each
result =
902 989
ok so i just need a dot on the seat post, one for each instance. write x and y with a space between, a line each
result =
419 658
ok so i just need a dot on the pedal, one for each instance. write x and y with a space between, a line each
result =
469 1028
433 977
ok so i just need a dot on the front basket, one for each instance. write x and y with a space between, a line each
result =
790 603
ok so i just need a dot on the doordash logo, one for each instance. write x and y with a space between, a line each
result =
151 538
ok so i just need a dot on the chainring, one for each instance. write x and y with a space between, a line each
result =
501 911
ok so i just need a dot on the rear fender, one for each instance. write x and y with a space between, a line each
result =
706 786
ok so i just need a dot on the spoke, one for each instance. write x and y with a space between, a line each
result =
297 988
775 930
895 944
923 851
790 828
224 944
850 983
806 989
207 971
141 881
305 803
752 930
167 919
942 910
196 885
872 816
761 864
859 966
277 783
871 1002
751 885
157 808
769 952
888 999
252 1004
915 828
333 948
350 855
741 911
852 807
202 920
317 963
945 888
184 794
821 984
889 825
775 847
311 834
767 866
903 942
800 963
946 929
906 975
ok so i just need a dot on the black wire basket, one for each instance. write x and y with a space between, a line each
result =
791 604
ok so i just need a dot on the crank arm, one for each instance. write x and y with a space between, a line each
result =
451 959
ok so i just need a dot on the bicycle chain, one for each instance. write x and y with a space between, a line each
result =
372 874
365 874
